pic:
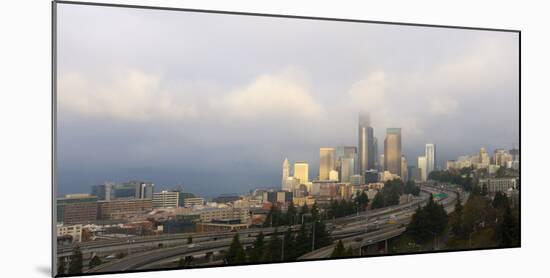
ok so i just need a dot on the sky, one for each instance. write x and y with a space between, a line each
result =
215 102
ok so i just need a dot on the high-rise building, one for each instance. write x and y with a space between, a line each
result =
333 175
501 157
381 163
392 151
301 172
365 157
484 159
414 173
327 162
375 155
346 169
430 158
286 174
404 169
423 165
166 199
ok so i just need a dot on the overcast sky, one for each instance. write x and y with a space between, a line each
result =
216 102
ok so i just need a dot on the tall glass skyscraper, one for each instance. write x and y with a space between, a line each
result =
365 157
392 151
286 174
327 162
430 158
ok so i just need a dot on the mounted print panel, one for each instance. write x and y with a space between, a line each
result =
190 138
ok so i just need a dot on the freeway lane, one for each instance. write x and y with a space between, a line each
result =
385 232
352 227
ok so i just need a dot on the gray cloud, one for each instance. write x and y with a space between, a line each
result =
216 102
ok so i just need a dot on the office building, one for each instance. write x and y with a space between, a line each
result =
404 169
415 173
371 176
346 169
286 174
191 202
484 159
356 180
327 162
166 199
392 151
381 163
430 158
333 175
74 231
499 184
422 165
123 208
501 157
301 172
365 156
76 209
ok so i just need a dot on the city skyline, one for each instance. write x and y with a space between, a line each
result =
160 119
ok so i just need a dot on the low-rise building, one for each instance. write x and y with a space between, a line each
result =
498 184
123 209
191 202
166 199
74 231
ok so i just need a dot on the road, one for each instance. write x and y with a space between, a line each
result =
347 228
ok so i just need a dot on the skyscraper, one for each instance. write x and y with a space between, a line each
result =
484 159
346 169
422 165
286 174
404 169
392 151
301 172
327 162
375 153
365 157
430 158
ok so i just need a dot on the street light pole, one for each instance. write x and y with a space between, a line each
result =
313 237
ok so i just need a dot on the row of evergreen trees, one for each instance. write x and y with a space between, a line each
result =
288 246
389 194
74 263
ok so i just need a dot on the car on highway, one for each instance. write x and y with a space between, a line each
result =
192 245
358 239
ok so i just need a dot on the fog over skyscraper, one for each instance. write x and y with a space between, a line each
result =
365 156
430 158
327 162
392 151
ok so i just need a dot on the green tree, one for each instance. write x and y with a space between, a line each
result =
509 230
428 222
189 240
314 212
303 242
75 261
339 250
288 242
362 200
258 249
95 261
322 237
61 264
304 210
500 201
235 254
274 247
291 214
378 201
457 221
349 252
181 262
